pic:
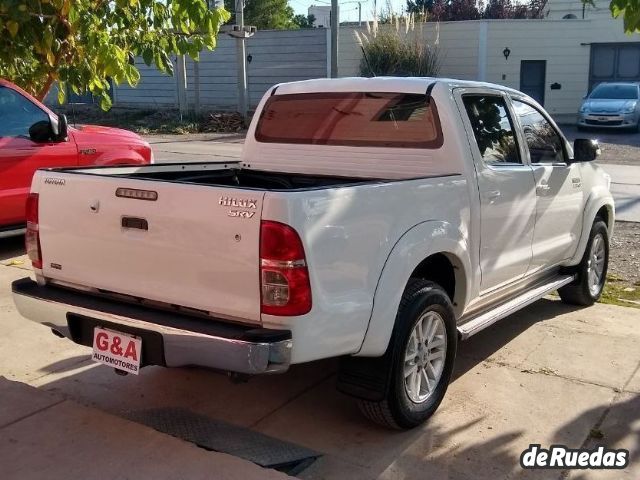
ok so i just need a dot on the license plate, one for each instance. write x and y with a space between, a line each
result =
117 350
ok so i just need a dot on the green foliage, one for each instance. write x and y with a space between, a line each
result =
629 10
265 14
304 21
397 51
82 44
455 10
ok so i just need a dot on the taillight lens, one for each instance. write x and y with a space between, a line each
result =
284 277
32 236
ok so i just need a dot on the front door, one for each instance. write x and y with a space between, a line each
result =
532 78
20 157
559 193
506 190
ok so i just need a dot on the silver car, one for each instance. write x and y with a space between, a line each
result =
611 105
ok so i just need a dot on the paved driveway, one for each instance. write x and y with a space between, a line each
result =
549 374
621 148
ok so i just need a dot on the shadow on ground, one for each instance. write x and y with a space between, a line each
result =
11 247
303 407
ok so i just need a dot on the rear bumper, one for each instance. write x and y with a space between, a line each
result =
171 339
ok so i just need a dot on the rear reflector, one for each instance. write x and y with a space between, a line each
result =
32 235
284 277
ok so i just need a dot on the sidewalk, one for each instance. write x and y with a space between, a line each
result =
45 436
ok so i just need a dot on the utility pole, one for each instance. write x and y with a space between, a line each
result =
181 79
359 14
335 22
241 59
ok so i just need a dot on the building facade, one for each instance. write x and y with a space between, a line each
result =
557 60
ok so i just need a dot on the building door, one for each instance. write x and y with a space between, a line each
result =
533 78
614 62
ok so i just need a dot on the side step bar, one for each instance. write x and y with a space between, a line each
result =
488 318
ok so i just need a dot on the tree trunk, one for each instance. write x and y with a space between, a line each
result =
45 88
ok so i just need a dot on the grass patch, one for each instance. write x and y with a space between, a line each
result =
617 290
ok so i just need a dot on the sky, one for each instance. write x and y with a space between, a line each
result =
348 8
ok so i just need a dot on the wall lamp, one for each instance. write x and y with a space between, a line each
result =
506 52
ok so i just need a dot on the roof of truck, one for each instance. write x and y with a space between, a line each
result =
380 84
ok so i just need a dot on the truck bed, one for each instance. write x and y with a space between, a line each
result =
186 235
225 174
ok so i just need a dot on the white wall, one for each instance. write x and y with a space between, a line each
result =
322 14
564 44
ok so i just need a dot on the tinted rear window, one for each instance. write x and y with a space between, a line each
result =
615 92
351 119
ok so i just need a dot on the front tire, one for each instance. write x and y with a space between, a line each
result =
424 344
587 288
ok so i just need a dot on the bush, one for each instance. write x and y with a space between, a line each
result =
397 51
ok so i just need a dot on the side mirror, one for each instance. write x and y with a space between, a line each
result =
63 128
41 131
59 127
585 150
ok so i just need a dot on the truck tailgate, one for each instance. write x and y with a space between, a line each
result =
190 247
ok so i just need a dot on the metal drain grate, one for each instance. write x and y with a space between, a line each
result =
222 437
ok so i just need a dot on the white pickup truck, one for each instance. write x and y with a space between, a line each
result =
378 220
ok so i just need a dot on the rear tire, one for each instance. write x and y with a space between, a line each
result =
424 344
591 272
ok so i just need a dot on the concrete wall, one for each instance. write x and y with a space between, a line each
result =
154 90
455 42
276 56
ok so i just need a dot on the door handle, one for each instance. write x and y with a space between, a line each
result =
135 222
542 188
492 195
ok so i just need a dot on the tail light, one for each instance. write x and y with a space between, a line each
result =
32 236
284 277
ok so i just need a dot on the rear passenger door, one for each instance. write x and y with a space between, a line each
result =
506 187
559 193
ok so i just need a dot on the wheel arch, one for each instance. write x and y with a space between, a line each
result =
600 204
606 213
447 270
431 250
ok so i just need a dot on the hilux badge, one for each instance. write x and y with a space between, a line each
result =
234 202
239 203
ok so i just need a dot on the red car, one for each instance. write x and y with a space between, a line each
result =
33 137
